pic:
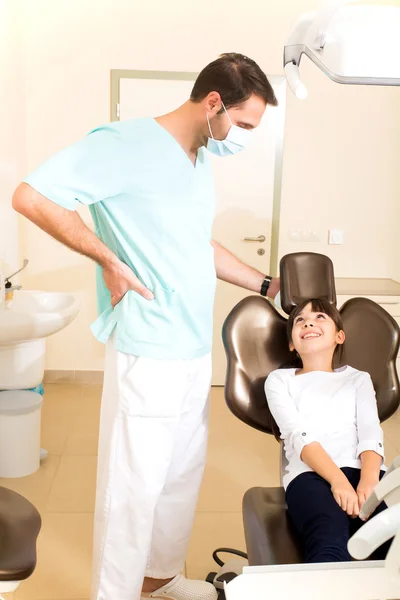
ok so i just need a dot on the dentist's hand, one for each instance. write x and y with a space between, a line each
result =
119 279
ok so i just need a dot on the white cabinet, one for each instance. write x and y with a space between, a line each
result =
385 292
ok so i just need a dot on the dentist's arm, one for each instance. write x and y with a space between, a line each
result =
67 227
90 171
232 270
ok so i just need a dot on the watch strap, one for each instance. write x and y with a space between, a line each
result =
265 285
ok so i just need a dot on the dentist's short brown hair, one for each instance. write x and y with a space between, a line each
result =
236 78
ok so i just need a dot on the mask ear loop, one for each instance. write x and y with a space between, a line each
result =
209 126
227 114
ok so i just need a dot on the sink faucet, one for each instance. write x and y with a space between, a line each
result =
6 285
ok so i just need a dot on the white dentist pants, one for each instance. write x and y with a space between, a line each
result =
152 451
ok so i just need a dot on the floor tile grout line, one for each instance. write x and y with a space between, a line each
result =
62 512
52 482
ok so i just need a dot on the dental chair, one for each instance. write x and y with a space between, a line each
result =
255 341
20 524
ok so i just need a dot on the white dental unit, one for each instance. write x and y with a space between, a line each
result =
358 45
363 580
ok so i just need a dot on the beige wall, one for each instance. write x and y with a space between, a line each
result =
12 127
340 171
341 146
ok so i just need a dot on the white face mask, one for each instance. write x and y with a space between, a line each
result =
237 139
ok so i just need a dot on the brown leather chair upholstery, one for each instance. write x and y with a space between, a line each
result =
19 527
255 342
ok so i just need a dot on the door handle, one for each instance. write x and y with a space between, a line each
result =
259 238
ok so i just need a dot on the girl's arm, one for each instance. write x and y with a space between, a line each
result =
370 438
369 430
319 461
370 470
294 429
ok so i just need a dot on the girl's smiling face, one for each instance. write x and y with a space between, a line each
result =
314 332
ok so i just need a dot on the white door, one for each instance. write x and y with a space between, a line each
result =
245 186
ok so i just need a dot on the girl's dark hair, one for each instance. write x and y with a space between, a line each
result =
318 305
235 77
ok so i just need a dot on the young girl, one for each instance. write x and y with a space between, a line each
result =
333 441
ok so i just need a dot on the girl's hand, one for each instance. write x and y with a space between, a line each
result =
366 487
345 495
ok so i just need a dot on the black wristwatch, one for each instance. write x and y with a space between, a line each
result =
265 285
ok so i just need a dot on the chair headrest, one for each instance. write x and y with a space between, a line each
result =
306 275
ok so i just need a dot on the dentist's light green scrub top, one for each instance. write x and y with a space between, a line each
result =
154 209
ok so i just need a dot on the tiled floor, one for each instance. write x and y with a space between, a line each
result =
63 489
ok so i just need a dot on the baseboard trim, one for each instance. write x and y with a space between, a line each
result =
78 376
73 376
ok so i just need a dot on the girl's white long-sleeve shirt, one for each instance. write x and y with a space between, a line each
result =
337 409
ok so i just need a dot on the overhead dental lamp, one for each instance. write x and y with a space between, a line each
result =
357 45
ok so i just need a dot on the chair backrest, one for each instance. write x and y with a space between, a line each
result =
255 341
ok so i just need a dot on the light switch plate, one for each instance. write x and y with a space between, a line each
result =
336 236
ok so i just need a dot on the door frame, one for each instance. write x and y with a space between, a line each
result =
118 74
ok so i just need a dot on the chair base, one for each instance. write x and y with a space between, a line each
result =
270 538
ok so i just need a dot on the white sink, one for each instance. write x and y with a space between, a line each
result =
24 325
35 315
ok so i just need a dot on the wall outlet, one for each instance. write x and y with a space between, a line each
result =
303 235
336 236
